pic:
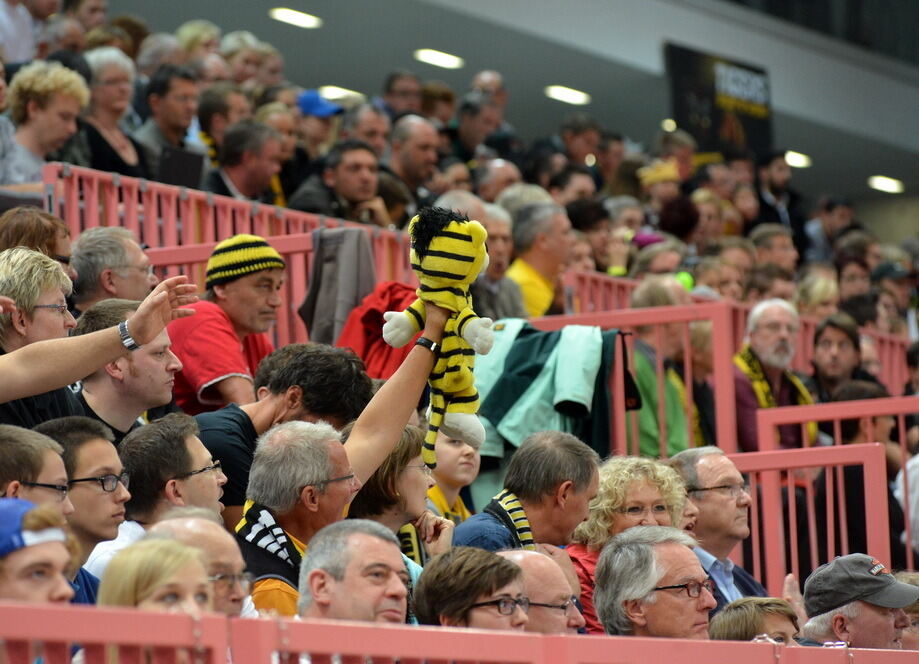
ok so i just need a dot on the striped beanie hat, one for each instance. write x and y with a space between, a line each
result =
238 256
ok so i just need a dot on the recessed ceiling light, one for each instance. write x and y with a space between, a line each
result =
439 58
294 17
668 124
885 184
333 92
567 95
797 160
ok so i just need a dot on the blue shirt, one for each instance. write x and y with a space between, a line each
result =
484 531
85 588
721 572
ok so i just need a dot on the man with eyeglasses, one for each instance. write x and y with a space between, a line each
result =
109 263
763 377
168 466
649 583
120 392
721 494
98 489
553 609
31 468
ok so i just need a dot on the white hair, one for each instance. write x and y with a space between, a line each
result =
820 627
760 309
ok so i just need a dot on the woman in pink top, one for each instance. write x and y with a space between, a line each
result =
633 492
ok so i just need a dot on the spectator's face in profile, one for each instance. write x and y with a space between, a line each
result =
36 574
284 124
355 178
134 280
52 472
412 486
674 614
500 247
204 488
558 240
577 509
97 513
374 587
56 122
545 584
876 627
47 321
244 65
835 355
337 495
252 301
263 165
490 616
723 512
188 592
148 374
910 638
690 516
643 506
774 338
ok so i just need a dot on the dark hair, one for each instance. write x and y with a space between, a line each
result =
73 61
161 81
245 136
379 491
473 102
152 455
679 217
765 160
337 152
104 314
275 360
830 203
846 258
761 277
863 308
546 459
912 355
394 76
607 137
334 382
586 215
561 179
213 101
738 154
854 390
453 581
839 321
578 123
72 432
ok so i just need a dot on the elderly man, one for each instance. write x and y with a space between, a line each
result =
45 101
223 561
168 466
495 176
542 239
553 609
720 493
220 347
250 155
495 295
762 373
649 583
354 570
109 263
119 393
854 599
302 478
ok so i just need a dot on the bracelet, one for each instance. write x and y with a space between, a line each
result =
432 346
126 337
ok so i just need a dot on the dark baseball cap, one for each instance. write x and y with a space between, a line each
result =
855 577
889 270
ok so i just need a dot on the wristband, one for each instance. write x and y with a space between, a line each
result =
432 346
126 337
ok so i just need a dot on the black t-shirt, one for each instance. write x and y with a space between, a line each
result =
228 434
31 411
89 412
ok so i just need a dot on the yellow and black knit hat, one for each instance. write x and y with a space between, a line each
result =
241 255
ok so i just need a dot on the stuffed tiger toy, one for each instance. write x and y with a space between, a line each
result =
448 252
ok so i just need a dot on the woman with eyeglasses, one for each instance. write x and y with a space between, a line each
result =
633 491
469 587
396 496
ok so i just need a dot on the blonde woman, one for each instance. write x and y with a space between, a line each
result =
747 618
157 575
817 296
634 491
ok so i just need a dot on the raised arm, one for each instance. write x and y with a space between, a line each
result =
48 365
378 429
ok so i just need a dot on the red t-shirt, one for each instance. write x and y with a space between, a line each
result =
585 564
210 351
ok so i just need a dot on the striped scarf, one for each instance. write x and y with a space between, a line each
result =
506 507
259 527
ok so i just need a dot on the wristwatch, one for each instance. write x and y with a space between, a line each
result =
126 337
432 346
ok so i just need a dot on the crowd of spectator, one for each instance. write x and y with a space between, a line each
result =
157 451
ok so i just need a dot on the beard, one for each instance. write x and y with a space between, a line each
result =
778 356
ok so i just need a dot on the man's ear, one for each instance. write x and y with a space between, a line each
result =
220 291
635 612
309 498
117 369
328 178
321 585
173 493
107 281
840 625
293 397
11 490
563 493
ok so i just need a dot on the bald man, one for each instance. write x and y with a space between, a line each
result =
552 608
224 562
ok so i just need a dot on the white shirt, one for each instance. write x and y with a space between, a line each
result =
17 40
128 533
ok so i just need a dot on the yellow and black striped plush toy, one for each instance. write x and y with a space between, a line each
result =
448 252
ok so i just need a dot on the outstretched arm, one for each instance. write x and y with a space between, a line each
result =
379 428
48 365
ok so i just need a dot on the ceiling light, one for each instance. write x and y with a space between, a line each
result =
886 184
797 160
668 124
294 17
567 95
439 58
333 92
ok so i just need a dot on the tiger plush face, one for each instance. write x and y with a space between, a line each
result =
451 254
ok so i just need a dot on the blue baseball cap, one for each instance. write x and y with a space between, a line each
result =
13 537
312 103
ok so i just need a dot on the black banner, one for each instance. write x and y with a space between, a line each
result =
722 103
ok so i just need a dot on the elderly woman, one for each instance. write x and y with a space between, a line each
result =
110 148
750 617
633 491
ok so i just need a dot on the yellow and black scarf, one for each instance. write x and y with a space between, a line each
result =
749 364
507 508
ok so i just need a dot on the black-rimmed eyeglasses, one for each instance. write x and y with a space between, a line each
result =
506 605
692 588
108 482
60 488
206 469
569 603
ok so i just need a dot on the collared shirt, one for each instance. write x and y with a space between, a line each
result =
537 291
721 572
